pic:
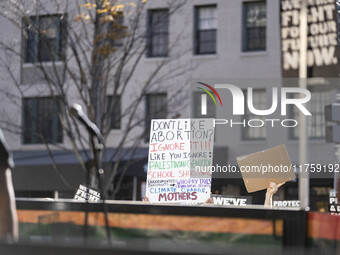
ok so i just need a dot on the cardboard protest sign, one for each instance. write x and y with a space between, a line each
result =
260 168
179 147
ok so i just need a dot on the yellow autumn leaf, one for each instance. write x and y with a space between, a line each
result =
120 6
100 11
88 6
83 5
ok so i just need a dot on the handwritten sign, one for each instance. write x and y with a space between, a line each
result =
180 154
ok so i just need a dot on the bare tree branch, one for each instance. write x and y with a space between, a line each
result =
92 68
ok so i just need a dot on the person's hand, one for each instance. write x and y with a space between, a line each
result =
209 201
271 190
145 199
6 160
273 187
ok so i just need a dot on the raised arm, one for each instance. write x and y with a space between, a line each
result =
8 214
271 190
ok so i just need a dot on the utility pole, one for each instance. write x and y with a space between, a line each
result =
303 127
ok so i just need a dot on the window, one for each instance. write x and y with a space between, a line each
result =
260 103
45 38
156 108
254 26
158 33
316 122
116 30
211 108
115 103
206 27
41 121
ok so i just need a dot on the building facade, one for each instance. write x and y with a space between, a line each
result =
232 39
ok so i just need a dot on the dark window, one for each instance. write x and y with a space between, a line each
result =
206 27
45 38
116 30
158 33
316 122
115 103
254 26
197 110
259 103
156 108
41 123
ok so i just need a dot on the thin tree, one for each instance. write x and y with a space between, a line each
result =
96 62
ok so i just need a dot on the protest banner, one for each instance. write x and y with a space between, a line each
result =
333 203
322 53
84 193
286 203
232 200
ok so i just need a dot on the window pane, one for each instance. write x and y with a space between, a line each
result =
207 18
158 33
156 108
259 103
116 31
46 38
45 120
206 27
256 14
316 123
32 40
159 21
254 24
207 41
41 121
159 44
115 102
29 122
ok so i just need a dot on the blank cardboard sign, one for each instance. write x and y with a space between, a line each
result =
260 168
